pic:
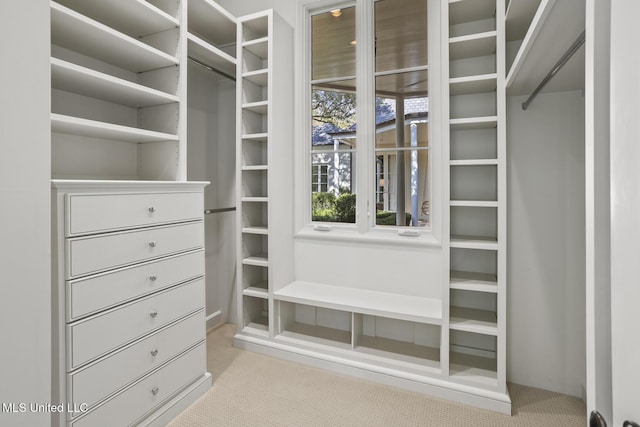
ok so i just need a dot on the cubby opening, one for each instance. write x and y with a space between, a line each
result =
474 182
255 313
255 246
474 221
254 153
315 324
255 215
256 28
253 123
252 62
252 92
255 278
473 105
398 340
473 144
469 263
472 27
254 183
473 357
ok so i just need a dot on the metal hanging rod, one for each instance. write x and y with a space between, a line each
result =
208 67
213 211
568 54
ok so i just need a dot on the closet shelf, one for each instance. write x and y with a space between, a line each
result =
259 77
255 230
475 321
474 242
473 45
256 292
255 168
518 17
211 22
554 28
76 32
137 18
461 11
255 199
474 162
473 123
85 81
468 281
210 55
395 306
258 327
261 260
475 203
473 84
259 47
95 129
260 107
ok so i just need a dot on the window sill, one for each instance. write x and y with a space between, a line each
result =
351 235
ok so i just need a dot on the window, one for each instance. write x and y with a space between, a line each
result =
368 112
319 178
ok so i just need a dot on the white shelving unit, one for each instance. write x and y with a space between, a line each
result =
118 123
117 88
263 157
211 36
477 192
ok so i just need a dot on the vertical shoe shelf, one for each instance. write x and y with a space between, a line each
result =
260 146
477 202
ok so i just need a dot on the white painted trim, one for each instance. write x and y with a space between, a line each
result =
432 386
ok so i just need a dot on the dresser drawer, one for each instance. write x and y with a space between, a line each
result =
92 337
87 255
97 213
94 293
149 392
101 379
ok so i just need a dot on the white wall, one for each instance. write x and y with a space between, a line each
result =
545 286
25 214
625 210
211 157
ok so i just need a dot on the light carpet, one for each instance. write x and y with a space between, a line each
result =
251 389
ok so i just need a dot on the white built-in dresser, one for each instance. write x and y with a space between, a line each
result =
130 315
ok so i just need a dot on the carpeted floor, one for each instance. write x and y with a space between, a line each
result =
255 390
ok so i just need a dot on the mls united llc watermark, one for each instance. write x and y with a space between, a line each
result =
21 408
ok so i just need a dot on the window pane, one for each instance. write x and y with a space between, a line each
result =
415 132
401 34
333 50
402 186
332 185
333 118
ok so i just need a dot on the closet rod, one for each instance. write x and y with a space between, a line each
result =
202 64
568 54
212 211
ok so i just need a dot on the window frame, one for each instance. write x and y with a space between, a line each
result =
365 154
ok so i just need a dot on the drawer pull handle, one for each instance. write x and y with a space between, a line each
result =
155 390
152 244
153 277
154 352
153 314
152 209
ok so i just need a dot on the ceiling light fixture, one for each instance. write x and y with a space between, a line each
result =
336 12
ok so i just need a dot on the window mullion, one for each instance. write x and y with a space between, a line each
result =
365 68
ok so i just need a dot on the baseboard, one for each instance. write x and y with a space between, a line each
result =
214 319
435 387
179 403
